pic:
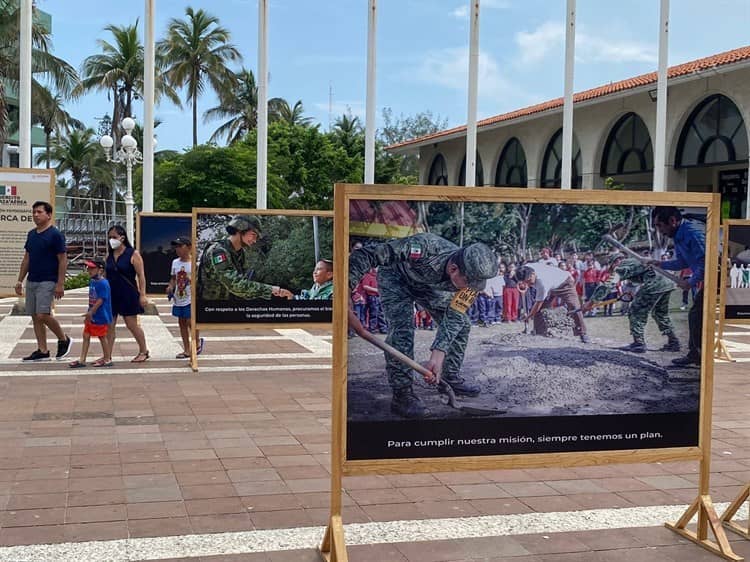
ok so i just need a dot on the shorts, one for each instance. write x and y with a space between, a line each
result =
96 330
181 311
39 296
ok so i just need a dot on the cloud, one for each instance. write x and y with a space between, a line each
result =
462 12
338 108
450 68
549 37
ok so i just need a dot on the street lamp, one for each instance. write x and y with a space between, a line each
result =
129 155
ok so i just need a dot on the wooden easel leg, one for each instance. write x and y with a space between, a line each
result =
721 351
707 517
333 547
726 518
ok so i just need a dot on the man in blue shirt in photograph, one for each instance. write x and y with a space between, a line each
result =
690 252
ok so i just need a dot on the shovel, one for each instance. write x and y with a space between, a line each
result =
448 396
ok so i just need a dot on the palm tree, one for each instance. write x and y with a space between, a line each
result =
77 154
47 110
195 53
240 105
347 130
118 70
61 75
279 111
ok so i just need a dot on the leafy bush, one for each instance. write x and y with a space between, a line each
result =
77 281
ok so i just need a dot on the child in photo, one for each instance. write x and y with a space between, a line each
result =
179 288
97 319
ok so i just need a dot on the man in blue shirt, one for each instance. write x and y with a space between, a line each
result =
690 252
45 261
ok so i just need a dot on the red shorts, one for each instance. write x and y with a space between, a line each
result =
96 330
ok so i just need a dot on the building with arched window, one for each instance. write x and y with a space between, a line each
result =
614 126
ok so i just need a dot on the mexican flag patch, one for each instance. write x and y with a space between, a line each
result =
219 258
415 251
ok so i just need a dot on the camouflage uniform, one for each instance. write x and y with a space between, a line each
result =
226 274
413 270
653 296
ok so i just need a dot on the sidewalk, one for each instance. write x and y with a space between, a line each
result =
232 463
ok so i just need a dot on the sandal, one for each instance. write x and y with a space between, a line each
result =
76 364
103 363
181 355
141 357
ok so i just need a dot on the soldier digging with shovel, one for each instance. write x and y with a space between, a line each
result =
442 278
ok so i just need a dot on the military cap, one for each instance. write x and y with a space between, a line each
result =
246 222
479 264
630 267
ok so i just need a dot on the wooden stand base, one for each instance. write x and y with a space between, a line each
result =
726 519
333 547
721 351
703 507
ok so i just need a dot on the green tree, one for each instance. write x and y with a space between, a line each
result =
196 52
280 110
49 112
118 71
239 106
78 154
60 75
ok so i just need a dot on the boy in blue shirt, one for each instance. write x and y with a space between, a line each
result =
98 317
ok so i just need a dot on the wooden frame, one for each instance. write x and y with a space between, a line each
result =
332 547
195 325
731 511
720 348
139 230
41 195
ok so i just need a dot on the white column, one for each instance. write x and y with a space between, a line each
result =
24 90
149 72
566 180
262 152
372 26
660 143
471 120
129 202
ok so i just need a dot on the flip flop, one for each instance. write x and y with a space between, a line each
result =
181 355
140 358
76 364
102 363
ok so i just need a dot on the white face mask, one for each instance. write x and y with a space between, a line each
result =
114 243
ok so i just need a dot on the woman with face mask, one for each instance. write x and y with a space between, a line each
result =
127 281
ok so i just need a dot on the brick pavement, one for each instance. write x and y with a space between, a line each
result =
154 450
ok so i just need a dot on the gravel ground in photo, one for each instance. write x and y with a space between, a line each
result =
530 375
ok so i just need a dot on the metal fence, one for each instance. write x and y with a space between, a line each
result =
85 221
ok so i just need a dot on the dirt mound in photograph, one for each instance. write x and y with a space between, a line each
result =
533 375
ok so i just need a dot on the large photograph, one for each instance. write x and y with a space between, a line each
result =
737 262
263 268
483 328
156 232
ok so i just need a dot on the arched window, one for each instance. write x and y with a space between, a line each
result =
511 168
713 134
552 162
438 171
628 148
479 180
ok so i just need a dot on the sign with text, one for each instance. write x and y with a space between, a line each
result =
262 267
589 371
19 189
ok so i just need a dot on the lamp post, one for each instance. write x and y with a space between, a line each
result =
129 155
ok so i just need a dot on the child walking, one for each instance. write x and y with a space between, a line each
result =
179 288
97 319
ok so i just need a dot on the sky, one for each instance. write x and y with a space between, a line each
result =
317 51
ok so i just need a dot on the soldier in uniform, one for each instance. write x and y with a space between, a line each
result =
653 297
226 271
443 279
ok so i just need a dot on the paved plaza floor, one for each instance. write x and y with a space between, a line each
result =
155 462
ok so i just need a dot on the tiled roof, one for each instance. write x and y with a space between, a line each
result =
692 67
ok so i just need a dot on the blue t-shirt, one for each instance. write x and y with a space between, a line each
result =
99 289
43 248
